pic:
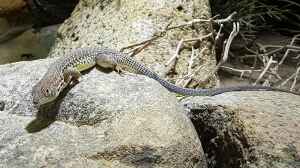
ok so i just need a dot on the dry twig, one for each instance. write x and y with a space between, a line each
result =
176 54
295 79
233 34
270 62
168 27
188 78
294 75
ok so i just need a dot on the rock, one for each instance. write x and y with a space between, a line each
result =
11 6
106 120
103 24
50 12
248 129
17 45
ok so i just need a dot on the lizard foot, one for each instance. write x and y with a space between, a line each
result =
119 70
74 81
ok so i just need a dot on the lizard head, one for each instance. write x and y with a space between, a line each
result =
47 90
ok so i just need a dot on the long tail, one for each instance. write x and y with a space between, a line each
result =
124 60
215 91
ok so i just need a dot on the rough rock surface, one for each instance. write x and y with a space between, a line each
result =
102 24
249 129
106 120
9 6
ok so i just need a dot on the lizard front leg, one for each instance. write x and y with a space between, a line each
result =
71 75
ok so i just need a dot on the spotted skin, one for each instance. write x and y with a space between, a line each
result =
68 68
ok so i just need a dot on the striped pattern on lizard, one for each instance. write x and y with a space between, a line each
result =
68 68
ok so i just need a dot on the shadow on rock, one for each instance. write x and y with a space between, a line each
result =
47 113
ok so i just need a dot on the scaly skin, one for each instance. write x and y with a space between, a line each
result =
68 68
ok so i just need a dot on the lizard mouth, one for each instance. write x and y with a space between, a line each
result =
36 104
43 101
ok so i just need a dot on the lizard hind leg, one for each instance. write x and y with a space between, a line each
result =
119 69
105 62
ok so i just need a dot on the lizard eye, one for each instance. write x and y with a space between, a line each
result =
47 92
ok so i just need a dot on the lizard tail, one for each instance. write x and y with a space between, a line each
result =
140 68
215 91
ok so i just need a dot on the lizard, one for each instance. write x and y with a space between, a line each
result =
67 69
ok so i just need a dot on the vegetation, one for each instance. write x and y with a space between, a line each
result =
257 15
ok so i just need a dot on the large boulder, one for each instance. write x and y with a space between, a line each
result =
106 120
9 6
248 129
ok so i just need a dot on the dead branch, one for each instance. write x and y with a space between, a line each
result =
270 62
294 75
227 44
168 27
295 79
176 54
190 74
